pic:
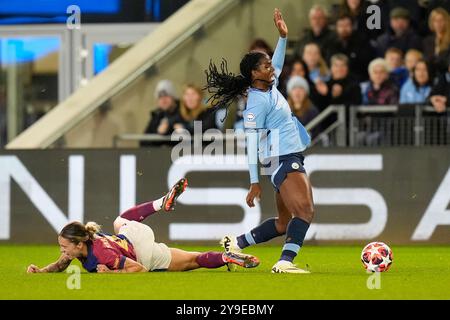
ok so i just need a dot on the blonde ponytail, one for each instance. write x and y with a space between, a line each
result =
92 228
77 232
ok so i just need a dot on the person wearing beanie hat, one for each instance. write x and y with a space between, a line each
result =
401 35
165 114
165 88
297 82
299 101
400 13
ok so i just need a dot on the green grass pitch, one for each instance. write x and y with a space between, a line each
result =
421 272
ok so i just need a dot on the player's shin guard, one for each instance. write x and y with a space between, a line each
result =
262 233
210 260
295 234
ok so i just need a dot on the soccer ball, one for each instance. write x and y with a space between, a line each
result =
376 257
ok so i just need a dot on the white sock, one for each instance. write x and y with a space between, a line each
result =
157 204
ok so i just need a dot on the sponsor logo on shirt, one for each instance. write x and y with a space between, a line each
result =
250 121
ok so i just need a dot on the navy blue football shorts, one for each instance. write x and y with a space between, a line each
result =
286 164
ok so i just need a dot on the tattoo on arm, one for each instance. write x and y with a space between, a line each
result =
58 266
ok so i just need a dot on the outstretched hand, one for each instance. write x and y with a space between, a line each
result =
33 269
279 23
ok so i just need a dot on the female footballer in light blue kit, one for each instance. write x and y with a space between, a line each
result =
277 135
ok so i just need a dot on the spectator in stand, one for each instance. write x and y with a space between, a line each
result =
354 9
437 45
399 74
261 45
357 10
411 58
342 88
299 68
400 35
380 90
440 94
318 69
318 74
440 100
163 117
416 10
298 99
415 7
353 45
433 4
417 89
296 67
319 31
192 109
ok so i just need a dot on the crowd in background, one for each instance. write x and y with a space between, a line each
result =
341 60
177 114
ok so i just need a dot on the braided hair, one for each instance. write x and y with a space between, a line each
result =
225 86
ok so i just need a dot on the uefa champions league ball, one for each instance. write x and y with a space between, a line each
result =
377 257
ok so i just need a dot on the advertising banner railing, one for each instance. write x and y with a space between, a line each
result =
398 195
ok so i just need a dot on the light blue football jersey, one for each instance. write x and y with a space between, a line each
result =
268 112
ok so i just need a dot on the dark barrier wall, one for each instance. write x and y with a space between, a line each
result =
397 195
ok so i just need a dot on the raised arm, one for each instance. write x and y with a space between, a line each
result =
280 50
59 266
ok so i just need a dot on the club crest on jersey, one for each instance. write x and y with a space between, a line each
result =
250 121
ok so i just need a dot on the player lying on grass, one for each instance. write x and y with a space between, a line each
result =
133 247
